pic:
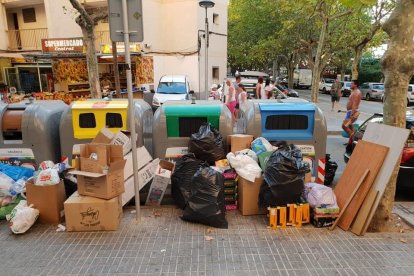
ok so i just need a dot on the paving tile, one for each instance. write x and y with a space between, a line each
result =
246 248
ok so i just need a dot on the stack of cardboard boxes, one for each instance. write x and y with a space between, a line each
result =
105 182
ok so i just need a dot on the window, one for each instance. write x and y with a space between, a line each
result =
113 120
216 73
216 18
188 126
410 88
87 120
29 15
285 122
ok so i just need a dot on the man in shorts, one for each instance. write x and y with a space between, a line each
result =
352 106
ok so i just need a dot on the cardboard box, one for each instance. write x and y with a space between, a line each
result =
239 142
102 185
145 175
160 182
143 158
105 136
97 165
248 197
48 200
84 213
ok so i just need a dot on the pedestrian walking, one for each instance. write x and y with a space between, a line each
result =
352 106
260 91
336 93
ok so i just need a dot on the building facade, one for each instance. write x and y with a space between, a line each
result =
173 35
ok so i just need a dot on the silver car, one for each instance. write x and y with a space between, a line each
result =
372 90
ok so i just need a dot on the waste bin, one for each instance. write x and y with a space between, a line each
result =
176 121
84 119
32 126
297 122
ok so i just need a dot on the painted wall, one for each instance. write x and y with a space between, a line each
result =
60 22
3 29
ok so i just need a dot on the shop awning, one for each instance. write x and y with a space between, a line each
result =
10 55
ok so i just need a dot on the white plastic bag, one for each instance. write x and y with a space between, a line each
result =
5 183
249 153
245 166
47 177
261 145
318 195
22 217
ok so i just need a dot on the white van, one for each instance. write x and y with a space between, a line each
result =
172 88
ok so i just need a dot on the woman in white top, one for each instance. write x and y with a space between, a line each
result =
260 90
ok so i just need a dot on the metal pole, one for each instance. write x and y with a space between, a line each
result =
206 59
131 108
116 71
38 75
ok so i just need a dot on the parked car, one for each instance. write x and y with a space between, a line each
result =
410 94
287 91
325 85
372 90
346 88
406 172
172 88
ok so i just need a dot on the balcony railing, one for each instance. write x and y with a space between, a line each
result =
26 39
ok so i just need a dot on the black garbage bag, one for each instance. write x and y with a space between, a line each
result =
181 179
330 170
283 177
206 204
207 144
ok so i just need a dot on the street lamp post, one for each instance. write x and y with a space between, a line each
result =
206 4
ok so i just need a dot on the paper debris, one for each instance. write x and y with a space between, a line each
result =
209 230
61 228
163 250
156 213
403 240
208 238
133 211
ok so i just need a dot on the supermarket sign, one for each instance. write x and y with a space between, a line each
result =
63 45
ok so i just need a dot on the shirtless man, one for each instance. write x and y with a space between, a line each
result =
352 106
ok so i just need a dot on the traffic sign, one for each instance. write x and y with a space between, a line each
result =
134 16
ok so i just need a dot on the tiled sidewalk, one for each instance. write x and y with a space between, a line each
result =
166 245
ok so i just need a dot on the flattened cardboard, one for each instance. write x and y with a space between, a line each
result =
248 197
143 158
104 136
239 142
160 182
144 175
48 200
84 213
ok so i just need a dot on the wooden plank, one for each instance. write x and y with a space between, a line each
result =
365 156
360 181
358 226
394 138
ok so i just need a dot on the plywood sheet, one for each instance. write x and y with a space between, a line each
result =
366 156
359 224
394 138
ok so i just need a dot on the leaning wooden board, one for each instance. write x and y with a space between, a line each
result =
366 156
394 138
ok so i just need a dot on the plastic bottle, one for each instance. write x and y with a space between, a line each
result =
18 186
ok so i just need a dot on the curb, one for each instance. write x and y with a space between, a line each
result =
335 132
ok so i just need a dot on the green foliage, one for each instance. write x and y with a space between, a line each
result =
370 69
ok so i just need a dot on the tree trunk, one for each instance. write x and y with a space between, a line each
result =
291 70
316 77
356 61
398 67
92 61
